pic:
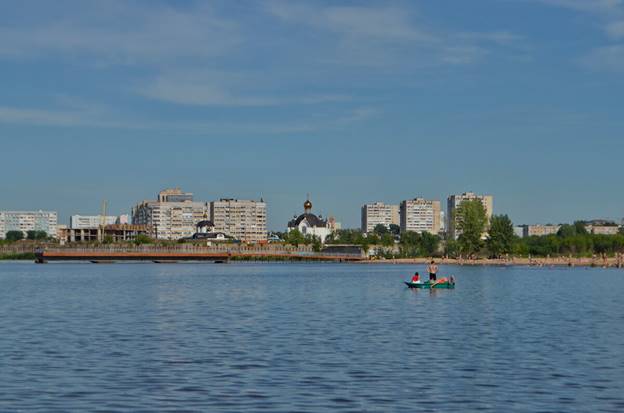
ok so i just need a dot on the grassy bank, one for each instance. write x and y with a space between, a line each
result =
17 256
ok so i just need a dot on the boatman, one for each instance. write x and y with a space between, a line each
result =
433 271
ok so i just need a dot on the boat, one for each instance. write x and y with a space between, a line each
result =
428 285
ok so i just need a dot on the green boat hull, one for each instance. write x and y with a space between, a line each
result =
427 285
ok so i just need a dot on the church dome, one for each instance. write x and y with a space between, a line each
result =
307 205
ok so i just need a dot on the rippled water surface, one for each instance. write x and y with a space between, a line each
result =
308 338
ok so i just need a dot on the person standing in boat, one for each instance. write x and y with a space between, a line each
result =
432 269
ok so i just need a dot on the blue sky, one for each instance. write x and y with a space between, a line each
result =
352 101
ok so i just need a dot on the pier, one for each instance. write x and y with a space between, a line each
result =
188 253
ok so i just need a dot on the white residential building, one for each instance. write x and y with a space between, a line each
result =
454 201
90 221
25 221
539 230
243 220
174 215
420 215
603 229
379 213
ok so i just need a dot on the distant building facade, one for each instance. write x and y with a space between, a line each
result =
333 225
454 201
243 220
420 215
539 230
602 229
94 221
114 232
378 213
25 221
442 221
172 216
310 224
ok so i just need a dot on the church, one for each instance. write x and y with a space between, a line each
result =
310 224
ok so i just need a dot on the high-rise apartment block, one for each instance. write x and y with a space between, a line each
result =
242 219
172 216
420 215
454 201
379 213
25 221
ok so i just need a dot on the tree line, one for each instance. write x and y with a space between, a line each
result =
478 238
14 236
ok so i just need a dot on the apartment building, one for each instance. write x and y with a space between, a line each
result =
243 220
379 213
454 201
172 216
25 221
420 215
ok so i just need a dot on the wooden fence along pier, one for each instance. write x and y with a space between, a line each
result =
188 253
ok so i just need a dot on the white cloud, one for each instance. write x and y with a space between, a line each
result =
220 89
88 119
616 29
123 33
37 116
388 35
610 58
595 6
362 22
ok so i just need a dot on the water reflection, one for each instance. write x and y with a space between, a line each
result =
308 337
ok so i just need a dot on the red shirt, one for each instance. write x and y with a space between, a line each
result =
415 278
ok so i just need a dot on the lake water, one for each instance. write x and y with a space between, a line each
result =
308 338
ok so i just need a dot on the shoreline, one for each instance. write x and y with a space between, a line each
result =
611 262
602 262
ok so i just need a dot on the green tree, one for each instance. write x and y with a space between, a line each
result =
566 231
387 240
36 235
142 239
410 244
471 222
451 248
295 237
501 236
316 244
380 229
14 236
429 243
579 226
395 229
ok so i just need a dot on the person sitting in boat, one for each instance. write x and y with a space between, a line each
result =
416 279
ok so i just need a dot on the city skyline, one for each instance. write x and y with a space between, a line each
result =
282 224
353 102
